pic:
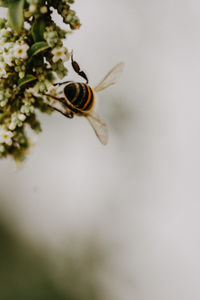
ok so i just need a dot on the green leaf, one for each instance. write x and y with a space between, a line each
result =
5 3
38 29
37 48
28 78
16 14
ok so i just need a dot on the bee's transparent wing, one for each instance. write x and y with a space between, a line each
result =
110 78
99 127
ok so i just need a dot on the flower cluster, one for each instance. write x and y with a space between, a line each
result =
32 58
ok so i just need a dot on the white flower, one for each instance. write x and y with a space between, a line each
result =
32 8
60 53
2 70
20 51
8 45
6 136
12 126
7 50
21 74
34 90
21 117
52 90
7 57
4 32
3 103
43 10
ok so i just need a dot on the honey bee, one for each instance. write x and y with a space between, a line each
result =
79 98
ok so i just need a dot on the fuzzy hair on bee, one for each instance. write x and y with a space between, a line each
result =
79 98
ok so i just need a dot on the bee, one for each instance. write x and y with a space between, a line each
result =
79 98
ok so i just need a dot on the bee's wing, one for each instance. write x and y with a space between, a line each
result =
99 127
110 78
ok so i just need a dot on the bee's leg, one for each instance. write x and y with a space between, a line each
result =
62 100
68 114
61 83
76 68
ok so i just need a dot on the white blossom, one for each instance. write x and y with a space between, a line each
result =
7 50
12 126
43 10
32 8
8 45
20 51
3 103
60 53
6 136
34 90
17 119
4 32
2 70
21 117
8 58
21 74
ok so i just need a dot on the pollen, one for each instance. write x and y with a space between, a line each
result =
59 53
20 51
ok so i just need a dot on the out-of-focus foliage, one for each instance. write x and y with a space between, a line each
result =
26 275
22 274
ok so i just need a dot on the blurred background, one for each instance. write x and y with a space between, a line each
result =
83 221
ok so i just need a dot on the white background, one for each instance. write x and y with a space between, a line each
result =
141 191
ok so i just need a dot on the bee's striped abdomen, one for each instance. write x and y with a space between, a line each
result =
80 96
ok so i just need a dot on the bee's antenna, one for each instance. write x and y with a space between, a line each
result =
76 68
